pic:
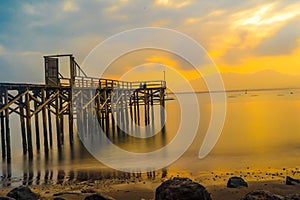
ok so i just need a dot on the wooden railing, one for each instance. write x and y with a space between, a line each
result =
89 82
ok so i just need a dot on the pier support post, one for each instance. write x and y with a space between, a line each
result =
46 148
58 127
22 122
138 107
7 130
28 126
71 117
37 126
162 108
3 146
50 125
61 118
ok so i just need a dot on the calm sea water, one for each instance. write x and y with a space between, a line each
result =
261 130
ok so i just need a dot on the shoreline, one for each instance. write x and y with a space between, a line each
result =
137 189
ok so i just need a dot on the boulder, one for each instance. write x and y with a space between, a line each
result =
262 195
181 189
98 197
291 181
236 182
22 193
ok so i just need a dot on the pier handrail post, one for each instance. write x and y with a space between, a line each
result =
3 146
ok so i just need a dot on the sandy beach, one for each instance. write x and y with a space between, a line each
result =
146 190
137 188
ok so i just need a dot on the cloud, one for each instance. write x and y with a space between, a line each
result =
172 3
163 60
2 50
70 6
29 9
283 41
233 32
265 19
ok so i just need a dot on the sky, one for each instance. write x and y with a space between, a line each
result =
241 37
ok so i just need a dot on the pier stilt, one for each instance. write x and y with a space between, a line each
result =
3 145
7 130
58 127
37 126
28 126
71 118
22 123
46 148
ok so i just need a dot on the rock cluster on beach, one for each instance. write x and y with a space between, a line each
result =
175 188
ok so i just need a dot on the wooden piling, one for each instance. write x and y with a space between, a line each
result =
152 111
61 118
3 145
28 126
138 107
121 110
134 106
106 110
71 118
22 123
145 107
162 107
126 110
46 148
57 116
50 127
37 128
7 130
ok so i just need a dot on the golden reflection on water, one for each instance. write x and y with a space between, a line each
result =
261 131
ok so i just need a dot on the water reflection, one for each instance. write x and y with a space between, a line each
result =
72 162
257 132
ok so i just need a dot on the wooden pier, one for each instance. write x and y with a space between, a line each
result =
116 105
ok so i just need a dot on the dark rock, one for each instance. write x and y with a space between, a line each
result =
235 182
181 189
22 193
262 195
292 197
6 198
291 181
98 197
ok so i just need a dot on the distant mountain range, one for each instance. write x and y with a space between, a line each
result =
259 80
